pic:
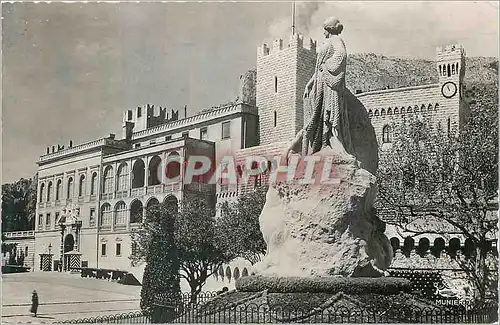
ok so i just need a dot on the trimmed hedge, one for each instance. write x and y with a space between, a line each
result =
382 285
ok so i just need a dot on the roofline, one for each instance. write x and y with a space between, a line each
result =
189 121
385 91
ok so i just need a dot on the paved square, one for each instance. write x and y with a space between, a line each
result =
64 296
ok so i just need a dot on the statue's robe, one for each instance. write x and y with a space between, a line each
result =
324 108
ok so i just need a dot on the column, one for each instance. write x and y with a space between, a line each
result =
61 256
146 171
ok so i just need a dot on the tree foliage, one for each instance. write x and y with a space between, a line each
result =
19 205
201 243
452 177
201 248
240 223
154 243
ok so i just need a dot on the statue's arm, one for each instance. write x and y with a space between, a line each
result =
334 64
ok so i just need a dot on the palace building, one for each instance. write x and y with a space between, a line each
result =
91 195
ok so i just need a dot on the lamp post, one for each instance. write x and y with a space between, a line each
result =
50 257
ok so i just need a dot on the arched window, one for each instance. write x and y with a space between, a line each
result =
138 171
429 107
106 215
93 184
389 111
402 110
275 118
396 110
122 183
440 70
120 213
377 112
58 189
370 113
386 134
152 202
409 109
154 171
42 192
173 167
70 192
449 71
136 210
449 126
108 180
49 191
382 112
81 186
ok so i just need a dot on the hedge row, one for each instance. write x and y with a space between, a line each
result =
382 285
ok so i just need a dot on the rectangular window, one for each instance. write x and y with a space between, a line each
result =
137 145
185 134
57 218
103 249
168 138
92 217
275 84
203 134
226 130
129 115
152 141
139 112
118 249
40 221
47 221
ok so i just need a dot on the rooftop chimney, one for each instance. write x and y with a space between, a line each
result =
48 150
112 136
70 143
185 111
53 148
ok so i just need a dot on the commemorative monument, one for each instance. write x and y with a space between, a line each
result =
326 248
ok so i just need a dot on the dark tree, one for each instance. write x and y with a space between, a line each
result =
154 243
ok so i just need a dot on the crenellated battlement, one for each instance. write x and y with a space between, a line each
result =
451 51
296 41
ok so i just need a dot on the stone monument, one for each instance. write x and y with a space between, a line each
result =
326 248
326 229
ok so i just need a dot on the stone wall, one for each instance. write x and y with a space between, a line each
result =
282 73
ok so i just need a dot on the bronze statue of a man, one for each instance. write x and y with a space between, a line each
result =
325 117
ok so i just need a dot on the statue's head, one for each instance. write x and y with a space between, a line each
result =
332 26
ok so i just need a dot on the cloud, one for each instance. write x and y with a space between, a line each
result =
408 28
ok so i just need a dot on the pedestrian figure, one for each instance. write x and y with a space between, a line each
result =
34 302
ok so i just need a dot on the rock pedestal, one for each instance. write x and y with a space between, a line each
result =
322 229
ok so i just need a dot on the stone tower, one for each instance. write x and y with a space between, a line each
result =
450 64
282 74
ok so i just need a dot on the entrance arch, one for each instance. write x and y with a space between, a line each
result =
69 243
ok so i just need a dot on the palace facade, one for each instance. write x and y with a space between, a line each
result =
91 195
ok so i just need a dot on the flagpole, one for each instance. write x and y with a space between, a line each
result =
293 18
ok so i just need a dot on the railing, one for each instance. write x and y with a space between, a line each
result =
57 203
106 196
140 191
155 189
92 198
41 204
20 234
121 194
80 199
265 313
